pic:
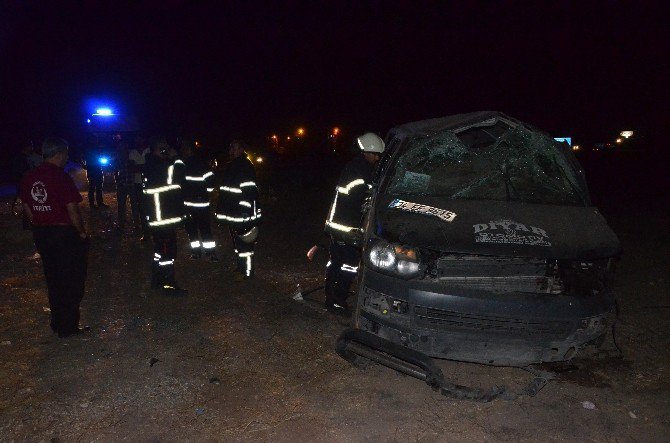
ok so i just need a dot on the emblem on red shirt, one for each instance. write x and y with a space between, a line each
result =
39 192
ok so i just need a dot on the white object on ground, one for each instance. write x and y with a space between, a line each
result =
588 405
297 296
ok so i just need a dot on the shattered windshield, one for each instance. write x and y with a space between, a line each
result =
491 161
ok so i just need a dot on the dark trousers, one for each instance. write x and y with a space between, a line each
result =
16 197
244 252
25 223
341 271
64 257
165 251
199 229
138 206
95 189
124 193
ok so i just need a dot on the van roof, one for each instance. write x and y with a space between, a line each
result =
451 122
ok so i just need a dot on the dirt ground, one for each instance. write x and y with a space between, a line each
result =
243 361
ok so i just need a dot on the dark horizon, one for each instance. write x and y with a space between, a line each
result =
245 69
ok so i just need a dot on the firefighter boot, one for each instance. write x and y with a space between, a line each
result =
156 278
169 285
335 301
173 290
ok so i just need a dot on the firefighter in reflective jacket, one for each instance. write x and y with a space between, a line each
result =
238 207
164 212
344 221
196 189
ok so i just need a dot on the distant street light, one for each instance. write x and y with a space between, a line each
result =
619 140
336 131
300 132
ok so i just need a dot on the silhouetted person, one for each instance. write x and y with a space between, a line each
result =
95 176
165 212
196 189
239 208
22 163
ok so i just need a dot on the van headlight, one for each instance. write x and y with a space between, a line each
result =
394 259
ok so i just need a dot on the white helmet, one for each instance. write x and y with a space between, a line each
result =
250 236
370 142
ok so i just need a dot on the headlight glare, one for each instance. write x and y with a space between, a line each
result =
407 267
382 256
395 259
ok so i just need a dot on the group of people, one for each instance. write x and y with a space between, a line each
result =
176 189
173 190
168 188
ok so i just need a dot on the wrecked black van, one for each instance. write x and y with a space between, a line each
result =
480 245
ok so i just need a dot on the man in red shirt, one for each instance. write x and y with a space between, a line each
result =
51 202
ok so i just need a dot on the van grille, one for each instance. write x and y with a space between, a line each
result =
497 274
437 319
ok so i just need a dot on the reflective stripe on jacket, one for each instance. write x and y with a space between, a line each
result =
161 192
345 214
238 203
198 183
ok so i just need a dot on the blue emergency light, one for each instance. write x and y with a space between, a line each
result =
103 112
104 161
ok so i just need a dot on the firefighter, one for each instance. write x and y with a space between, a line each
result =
197 186
344 222
238 207
162 178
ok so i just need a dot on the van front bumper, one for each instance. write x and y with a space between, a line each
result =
511 329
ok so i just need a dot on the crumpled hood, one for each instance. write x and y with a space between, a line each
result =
496 228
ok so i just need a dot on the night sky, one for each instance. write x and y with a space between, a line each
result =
250 68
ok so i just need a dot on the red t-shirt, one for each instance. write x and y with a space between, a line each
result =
47 190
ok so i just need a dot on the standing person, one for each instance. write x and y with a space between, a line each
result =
20 165
26 160
165 212
198 184
344 221
123 179
136 161
238 207
51 202
95 176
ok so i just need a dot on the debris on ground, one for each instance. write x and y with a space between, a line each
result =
588 405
